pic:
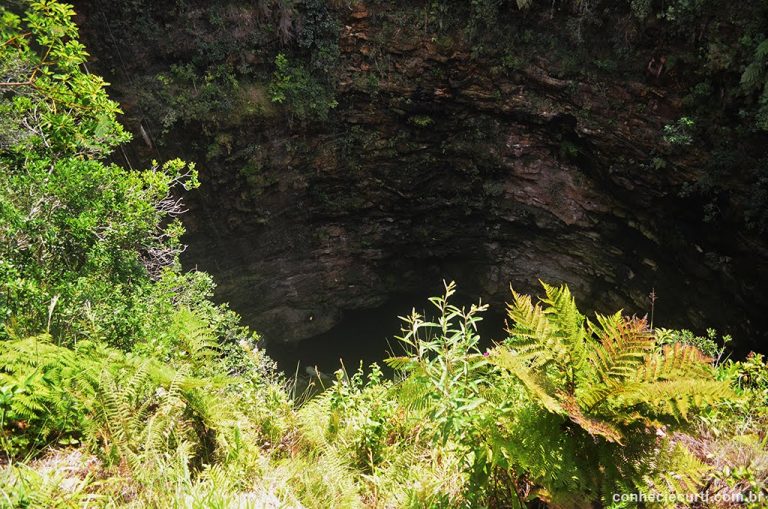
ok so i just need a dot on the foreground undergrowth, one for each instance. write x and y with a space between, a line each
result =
123 385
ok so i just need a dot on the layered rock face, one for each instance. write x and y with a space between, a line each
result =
440 164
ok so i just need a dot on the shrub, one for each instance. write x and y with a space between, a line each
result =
294 86
680 132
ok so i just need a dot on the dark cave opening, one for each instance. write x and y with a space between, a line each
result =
365 336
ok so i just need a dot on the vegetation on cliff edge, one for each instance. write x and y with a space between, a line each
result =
123 385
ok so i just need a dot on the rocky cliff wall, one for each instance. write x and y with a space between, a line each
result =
437 162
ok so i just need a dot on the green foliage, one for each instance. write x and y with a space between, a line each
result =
610 375
641 9
611 385
707 344
680 132
448 383
681 11
360 416
89 233
565 411
305 97
186 95
442 362
319 33
81 241
140 416
145 413
422 121
721 50
731 437
25 487
45 392
167 399
754 81
54 107
750 378
89 254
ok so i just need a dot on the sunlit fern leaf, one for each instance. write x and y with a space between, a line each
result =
626 390
623 347
564 316
46 389
314 420
123 408
415 395
531 334
218 478
673 471
194 337
530 324
593 426
400 363
671 398
535 384
590 395
165 425
675 361
30 395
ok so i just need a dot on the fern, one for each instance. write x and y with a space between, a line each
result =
146 414
554 333
22 486
195 342
609 384
123 407
624 365
536 384
672 470
532 333
623 347
567 321
754 82
45 393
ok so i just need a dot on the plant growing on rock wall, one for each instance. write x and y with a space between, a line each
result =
304 96
680 132
754 79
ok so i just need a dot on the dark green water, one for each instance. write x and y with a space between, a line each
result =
369 335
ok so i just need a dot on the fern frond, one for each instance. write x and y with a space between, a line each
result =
400 363
413 394
671 398
530 322
593 426
675 361
195 337
624 345
532 336
753 77
673 470
536 385
47 389
314 420
761 51
123 408
564 316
